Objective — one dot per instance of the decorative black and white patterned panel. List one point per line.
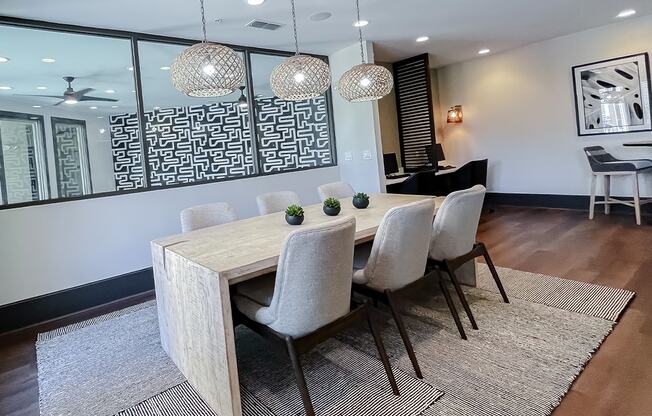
(126, 148)
(293, 134)
(21, 179)
(73, 172)
(188, 144)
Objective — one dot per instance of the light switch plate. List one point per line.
(348, 156)
(366, 154)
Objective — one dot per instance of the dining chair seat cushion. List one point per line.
(259, 290)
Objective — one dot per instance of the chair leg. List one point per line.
(460, 294)
(494, 273)
(637, 199)
(298, 373)
(383, 354)
(401, 329)
(592, 199)
(452, 308)
(607, 193)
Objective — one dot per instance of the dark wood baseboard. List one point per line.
(55, 305)
(576, 202)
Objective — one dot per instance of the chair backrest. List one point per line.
(208, 215)
(337, 190)
(456, 223)
(314, 277)
(400, 250)
(276, 201)
(597, 157)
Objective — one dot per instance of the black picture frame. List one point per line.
(644, 88)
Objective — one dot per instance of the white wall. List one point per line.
(357, 128)
(53, 247)
(519, 111)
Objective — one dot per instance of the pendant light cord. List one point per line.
(357, 9)
(203, 19)
(294, 26)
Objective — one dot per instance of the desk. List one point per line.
(440, 171)
(193, 273)
(638, 144)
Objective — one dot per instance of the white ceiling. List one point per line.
(457, 28)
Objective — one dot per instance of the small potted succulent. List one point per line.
(332, 207)
(361, 200)
(294, 215)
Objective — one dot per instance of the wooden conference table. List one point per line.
(193, 273)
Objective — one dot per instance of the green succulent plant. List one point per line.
(332, 203)
(361, 195)
(294, 211)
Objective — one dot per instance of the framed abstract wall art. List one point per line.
(613, 96)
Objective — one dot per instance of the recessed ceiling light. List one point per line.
(484, 51)
(4, 88)
(114, 106)
(165, 68)
(627, 13)
(41, 88)
(134, 91)
(48, 60)
(100, 116)
(4, 59)
(422, 38)
(157, 108)
(102, 131)
(318, 17)
(109, 91)
(255, 2)
(130, 68)
(36, 106)
(361, 23)
(93, 107)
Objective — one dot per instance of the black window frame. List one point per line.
(134, 38)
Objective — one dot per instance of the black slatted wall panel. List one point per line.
(416, 122)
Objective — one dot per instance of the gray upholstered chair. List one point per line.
(605, 165)
(453, 243)
(276, 201)
(208, 215)
(398, 259)
(310, 298)
(338, 190)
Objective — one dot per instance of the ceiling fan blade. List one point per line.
(80, 93)
(58, 103)
(89, 98)
(40, 95)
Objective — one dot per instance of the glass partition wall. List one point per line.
(129, 129)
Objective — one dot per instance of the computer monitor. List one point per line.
(390, 162)
(436, 154)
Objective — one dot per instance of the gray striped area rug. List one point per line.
(522, 361)
(581, 297)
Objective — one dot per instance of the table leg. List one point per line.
(196, 328)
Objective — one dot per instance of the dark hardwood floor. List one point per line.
(610, 250)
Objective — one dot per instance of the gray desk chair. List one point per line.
(208, 215)
(398, 259)
(310, 299)
(338, 190)
(276, 201)
(605, 165)
(453, 244)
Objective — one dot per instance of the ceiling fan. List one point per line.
(70, 96)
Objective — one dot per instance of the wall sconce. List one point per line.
(455, 115)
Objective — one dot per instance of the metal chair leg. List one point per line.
(494, 273)
(383, 354)
(460, 294)
(452, 308)
(298, 372)
(401, 330)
